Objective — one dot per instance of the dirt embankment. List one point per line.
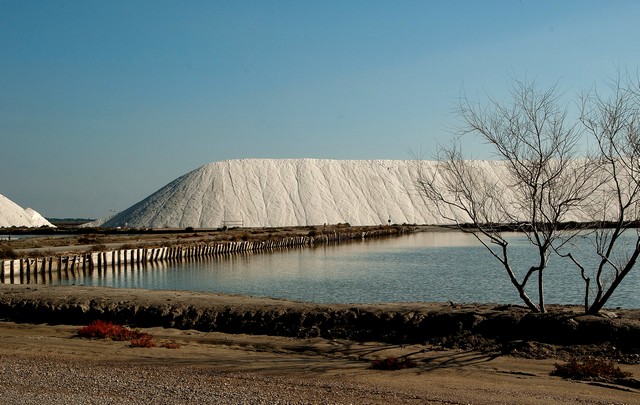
(508, 329)
(83, 239)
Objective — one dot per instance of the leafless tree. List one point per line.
(541, 183)
(614, 122)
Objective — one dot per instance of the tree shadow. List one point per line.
(457, 360)
(428, 358)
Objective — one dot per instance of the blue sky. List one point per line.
(104, 102)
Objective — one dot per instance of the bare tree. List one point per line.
(541, 183)
(614, 122)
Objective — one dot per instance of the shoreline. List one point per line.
(241, 349)
(482, 327)
(217, 367)
(61, 257)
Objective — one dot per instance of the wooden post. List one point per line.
(73, 262)
(2, 270)
(49, 271)
(11, 270)
(28, 270)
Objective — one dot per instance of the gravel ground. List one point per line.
(43, 380)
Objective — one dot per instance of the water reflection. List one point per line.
(431, 266)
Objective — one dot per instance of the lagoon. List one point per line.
(420, 267)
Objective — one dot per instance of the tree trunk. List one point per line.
(541, 290)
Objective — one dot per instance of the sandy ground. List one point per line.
(50, 364)
(268, 369)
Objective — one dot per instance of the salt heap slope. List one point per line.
(11, 214)
(290, 192)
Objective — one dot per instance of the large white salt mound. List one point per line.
(292, 192)
(11, 214)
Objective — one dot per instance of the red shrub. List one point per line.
(144, 340)
(107, 330)
(171, 345)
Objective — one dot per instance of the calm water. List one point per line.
(444, 266)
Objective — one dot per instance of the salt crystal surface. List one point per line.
(11, 214)
(293, 192)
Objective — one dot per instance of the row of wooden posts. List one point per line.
(25, 268)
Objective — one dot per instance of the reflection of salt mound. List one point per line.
(292, 192)
(11, 214)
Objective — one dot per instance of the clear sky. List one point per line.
(104, 102)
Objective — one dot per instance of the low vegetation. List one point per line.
(590, 369)
(107, 330)
(99, 247)
(152, 238)
(7, 252)
(145, 340)
(393, 363)
(132, 246)
(88, 239)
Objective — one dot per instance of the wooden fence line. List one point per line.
(25, 268)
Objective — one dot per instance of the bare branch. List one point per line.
(535, 185)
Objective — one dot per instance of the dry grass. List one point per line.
(591, 369)
(7, 252)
